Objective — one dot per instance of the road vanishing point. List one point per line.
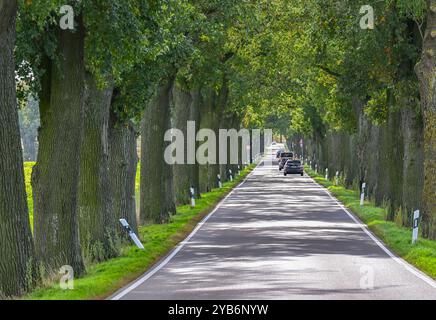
(276, 237)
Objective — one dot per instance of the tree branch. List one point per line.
(329, 71)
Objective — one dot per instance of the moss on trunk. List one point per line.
(157, 189)
(426, 71)
(16, 245)
(123, 161)
(96, 215)
(185, 108)
(55, 177)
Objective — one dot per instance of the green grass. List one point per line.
(138, 178)
(102, 279)
(27, 177)
(422, 254)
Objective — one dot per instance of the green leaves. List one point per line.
(313, 57)
(279, 56)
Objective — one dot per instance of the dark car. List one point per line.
(285, 156)
(293, 167)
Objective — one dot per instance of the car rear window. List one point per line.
(287, 155)
(295, 162)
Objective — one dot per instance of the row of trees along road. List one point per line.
(127, 67)
(362, 100)
(130, 67)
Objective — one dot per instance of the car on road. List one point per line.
(285, 156)
(279, 152)
(293, 167)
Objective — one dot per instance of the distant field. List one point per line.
(27, 175)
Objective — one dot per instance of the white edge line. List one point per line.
(179, 247)
(405, 264)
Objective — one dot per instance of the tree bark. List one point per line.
(183, 172)
(16, 244)
(157, 189)
(208, 172)
(426, 71)
(55, 177)
(96, 215)
(223, 121)
(392, 150)
(123, 161)
(412, 162)
(195, 116)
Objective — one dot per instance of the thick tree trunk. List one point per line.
(55, 177)
(209, 120)
(413, 161)
(123, 161)
(351, 169)
(391, 168)
(226, 124)
(223, 121)
(183, 172)
(16, 245)
(186, 108)
(195, 116)
(157, 189)
(96, 216)
(426, 71)
(236, 124)
(368, 140)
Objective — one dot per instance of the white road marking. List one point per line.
(180, 246)
(365, 229)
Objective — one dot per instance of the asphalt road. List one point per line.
(277, 237)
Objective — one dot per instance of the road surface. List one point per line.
(277, 237)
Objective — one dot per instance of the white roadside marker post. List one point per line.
(132, 235)
(362, 196)
(230, 175)
(220, 185)
(239, 170)
(337, 177)
(415, 226)
(192, 194)
(316, 168)
(327, 173)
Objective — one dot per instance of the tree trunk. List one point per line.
(426, 71)
(368, 140)
(223, 121)
(209, 120)
(412, 162)
(195, 116)
(96, 216)
(16, 245)
(55, 178)
(157, 190)
(183, 179)
(123, 161)
(236, 124)
(394, 160)
(351, 162)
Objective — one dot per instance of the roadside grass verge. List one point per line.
(422, 254)
(104, 278)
